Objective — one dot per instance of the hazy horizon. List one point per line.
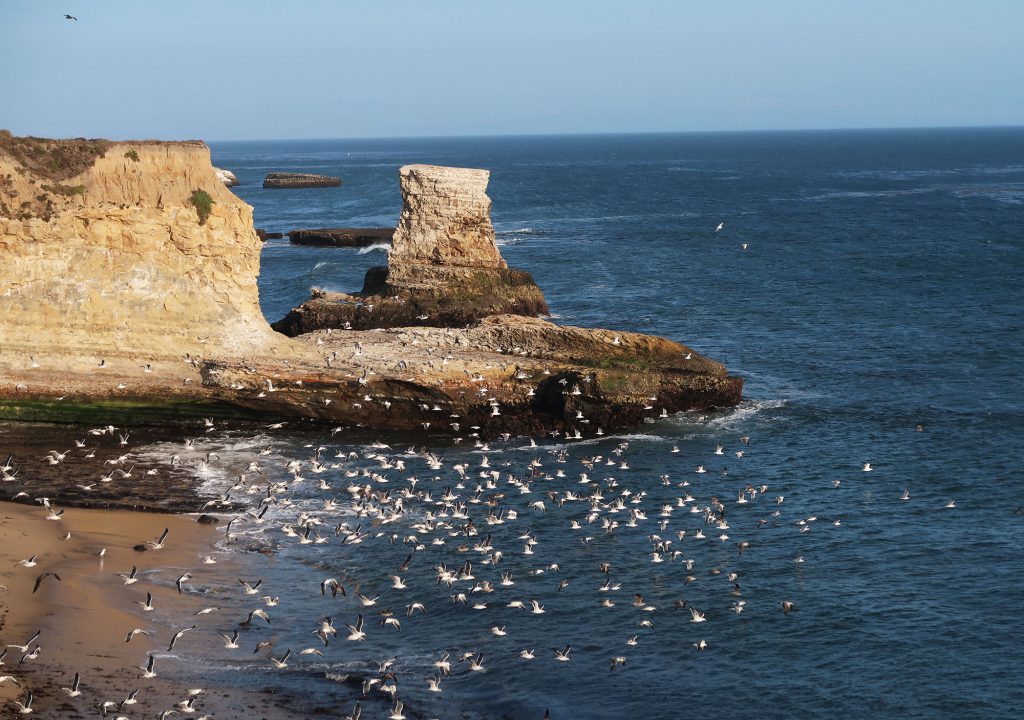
(363, 70)
(499, 136)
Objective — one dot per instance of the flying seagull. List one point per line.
(24, 648)
(71, 17)
(177, 636)
(24, 708)
(73, 691)
(39, 580)
(158, 544)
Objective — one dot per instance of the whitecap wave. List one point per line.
(633, 437)
(727, 418)
(517, 231)
(375, 246)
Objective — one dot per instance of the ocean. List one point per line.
(867, 285)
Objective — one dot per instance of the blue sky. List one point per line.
(221, 70)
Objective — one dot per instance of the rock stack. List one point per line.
(444, 268)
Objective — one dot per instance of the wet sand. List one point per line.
(84, 617)
(91, 476)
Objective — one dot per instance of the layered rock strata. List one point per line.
(118, 260)
(278, 180)
(128, 293)
(444, 268)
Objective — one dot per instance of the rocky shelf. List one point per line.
(264, 235)
(279, 180)
(342, 237)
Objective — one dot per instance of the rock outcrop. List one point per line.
(226, 176)
(342, 237)
(445, 220)
(263, 235)
(444, 268)
(278, 180)
(128, 293)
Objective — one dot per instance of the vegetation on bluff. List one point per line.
(55, 160)
(203, 204)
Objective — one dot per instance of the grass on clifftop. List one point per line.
(203, 204)
(53, 159)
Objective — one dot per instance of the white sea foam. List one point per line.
(634, 437)
(233, 455)
(728, 418)
(517, 231)
(375, 246)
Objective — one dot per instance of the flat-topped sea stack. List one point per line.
(342, 237)
(444, 268)
(290, 181)
(128, 295)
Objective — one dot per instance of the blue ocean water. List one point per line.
(880, 289)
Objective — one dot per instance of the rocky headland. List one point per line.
(128, 293)
(278, 180)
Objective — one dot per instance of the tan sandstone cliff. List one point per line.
(124, 297)
(115, 261)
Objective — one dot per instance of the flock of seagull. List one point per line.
(471, 534)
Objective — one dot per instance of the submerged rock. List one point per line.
(299, 180)
(444, 268)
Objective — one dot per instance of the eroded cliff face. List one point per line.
(114, 260)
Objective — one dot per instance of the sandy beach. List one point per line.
(84, 617)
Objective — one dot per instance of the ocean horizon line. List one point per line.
(549, 135)
(637, 133)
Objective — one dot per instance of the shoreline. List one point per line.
(84, 617)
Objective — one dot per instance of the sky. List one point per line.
(254, 69)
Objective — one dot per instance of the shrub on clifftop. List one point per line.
(203, 204)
